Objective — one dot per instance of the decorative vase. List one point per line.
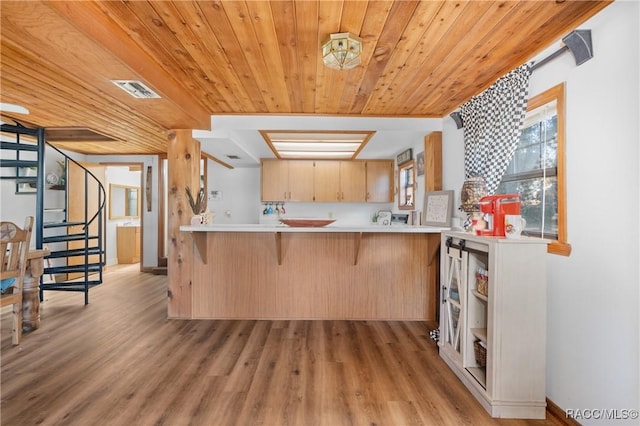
(473, 189)
(196, 219)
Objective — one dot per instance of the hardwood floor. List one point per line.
(119, 361)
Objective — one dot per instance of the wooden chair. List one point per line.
(13, 264)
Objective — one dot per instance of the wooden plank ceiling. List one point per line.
(420, 59)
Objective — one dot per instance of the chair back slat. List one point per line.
(14, 248)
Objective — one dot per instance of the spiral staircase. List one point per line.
(77, 251)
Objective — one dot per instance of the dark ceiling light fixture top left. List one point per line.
(136, 88)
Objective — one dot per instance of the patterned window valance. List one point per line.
(492, 122)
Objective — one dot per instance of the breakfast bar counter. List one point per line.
(332, 272)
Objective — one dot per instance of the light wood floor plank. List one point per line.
(119, 361)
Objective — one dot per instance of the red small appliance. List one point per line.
(495, 207)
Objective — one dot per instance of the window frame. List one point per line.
(407, 186)
(560, 245)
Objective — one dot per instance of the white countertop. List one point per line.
(394, 229)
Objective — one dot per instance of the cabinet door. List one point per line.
(353, 177)
(128, 241)
(300, 180)
(275, 180)
(454, 295)
(379, 181)
(327, 181)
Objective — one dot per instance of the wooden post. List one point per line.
(31, 289)
(433, 182)
(433, 161)
(183, 155)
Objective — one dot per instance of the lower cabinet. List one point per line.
(493, 320)
(128, 240)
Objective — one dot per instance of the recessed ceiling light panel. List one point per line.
(316, 144)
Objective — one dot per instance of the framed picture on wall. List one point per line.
(405, 156)
(420, 163)
(438, 208)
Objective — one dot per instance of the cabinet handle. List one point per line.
(338, 196)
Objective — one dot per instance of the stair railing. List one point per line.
(97, 216)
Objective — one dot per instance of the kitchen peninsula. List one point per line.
(332, 272)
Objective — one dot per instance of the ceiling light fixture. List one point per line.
(342, 51)
(19, 109)
(316, 144)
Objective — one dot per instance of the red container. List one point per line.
(495, 207)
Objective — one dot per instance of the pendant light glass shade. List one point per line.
(342, 51)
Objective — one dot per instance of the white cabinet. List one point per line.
(506, 371)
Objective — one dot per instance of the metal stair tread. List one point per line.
(21, 179)
(67, 237)
(18, 146)
(73, 252)
(70, 285)
(90, 267)
(19, 163)
(61, 224)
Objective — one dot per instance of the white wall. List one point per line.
(593, 327)
(240, 188)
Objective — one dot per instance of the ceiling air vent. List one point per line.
(233, 157)
(137, 89)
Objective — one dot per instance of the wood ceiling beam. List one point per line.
(216, 160)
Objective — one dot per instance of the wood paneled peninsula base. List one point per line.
(276, 272)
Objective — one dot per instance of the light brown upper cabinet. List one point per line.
(275, 180)
(353, 181)
(290, 180)
(340, 181)
(327, 178)
(379, 181)
(349, 181)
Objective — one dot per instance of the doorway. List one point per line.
(125, 198)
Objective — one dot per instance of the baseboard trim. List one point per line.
(558, 415)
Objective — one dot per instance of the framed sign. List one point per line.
(438, 208)
(405, 156)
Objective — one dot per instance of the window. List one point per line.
(406, 178)
(536, 171)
